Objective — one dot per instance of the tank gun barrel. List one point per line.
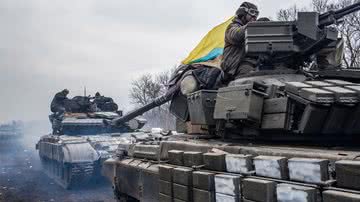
(137, 112)
(331, 17)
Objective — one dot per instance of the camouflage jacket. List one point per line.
(58, 101)
(234, 50)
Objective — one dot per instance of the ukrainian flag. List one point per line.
(211, 46)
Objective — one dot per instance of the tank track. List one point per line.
(69, 175)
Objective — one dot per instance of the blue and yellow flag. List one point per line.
(211, 46)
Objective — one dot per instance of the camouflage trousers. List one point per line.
(235, 73)
(55, 120)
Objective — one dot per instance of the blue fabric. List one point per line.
(212, 55)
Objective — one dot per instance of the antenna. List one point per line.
(84, 91)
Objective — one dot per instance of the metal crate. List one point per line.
(268, 37)
(239, 103)
(179, 108)
(201, 107)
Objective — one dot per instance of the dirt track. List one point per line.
(21, 179)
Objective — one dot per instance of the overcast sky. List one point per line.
(49, 45)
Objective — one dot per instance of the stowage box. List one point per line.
(201, 107)
(239, 103)
(267, 37)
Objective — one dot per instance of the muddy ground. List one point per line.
(21, 178)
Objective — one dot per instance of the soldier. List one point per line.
(99, 100)
(234, 62)
(58, 103)
(105, 103)
(58, 108)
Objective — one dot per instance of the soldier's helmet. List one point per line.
(97, 94)
(65, 91)
(263, 19)
(247, 8)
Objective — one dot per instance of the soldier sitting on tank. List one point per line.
(234, 62)
(58, 103)
(105, 103)
(58, 108)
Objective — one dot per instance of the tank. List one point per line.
(73, 154)
(10, 132)
(277, 134)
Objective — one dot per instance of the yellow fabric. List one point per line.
(213, 39)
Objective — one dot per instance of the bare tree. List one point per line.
(289, 14)
(320, 5)
(144, 90)
(350, 31)
(147, 88)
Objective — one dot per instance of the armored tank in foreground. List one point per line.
(280, 134)
(76, 154)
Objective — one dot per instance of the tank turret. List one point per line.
(291, 90)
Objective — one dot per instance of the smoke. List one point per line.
(32, 132)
